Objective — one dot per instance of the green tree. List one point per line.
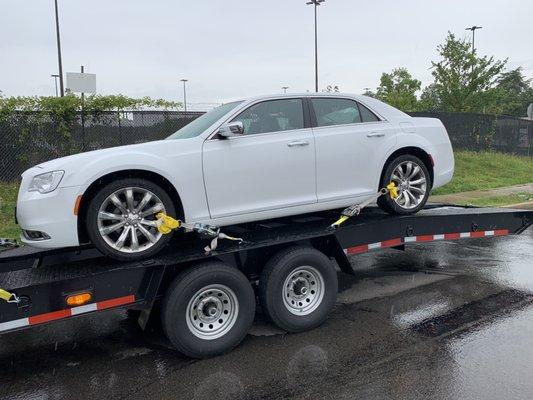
(513, 92)
(429, 99)
(462, 78)
(399, 89)
(369, 93)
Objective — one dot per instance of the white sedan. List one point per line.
(248, 160)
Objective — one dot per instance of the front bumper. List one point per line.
(52, 214)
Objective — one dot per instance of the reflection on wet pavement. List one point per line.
(440, 321)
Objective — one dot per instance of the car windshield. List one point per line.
(199, 125)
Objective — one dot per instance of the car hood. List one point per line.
(77, 161)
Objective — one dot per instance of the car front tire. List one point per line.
(121, 219)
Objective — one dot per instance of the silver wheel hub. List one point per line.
(411, 180)
(212, 312)
(303, 290)
(127, 222)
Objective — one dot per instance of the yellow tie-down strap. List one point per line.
(9, 297)
(391, 189)
(166, 224)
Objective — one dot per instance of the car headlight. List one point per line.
(46, 183)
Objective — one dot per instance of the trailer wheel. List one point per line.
(208, 309)
(298, 288)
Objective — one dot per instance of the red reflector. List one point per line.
(116, 302)
(477, 234)
(501, 232)
(358, 249)
(39, 319)
(452, 236)
(391, 242)
(424, 238)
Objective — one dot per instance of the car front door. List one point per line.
(270, 166)
(350, 144)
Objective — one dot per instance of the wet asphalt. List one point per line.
(445, 320)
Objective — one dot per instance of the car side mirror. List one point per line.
(231, 129)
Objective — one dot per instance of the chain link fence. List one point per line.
(480, 132)
(28, 139)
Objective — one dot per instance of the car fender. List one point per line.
(183, 171)
(408, 140)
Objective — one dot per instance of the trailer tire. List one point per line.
(298, 288)
(208, 309)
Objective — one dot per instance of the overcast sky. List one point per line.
(237, 48)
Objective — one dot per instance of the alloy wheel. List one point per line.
(411, 181)
(126, 219)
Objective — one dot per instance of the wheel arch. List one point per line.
(414, 151)
(110, 177)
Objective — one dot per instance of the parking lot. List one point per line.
(442, 320)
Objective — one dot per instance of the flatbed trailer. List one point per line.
(205, 307)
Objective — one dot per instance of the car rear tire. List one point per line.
(121, 219)
(208, 309)
(298, 288)
(413, 180)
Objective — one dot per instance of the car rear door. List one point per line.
(270, 166)
(351, 142)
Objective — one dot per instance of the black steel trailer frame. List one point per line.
(43, 279)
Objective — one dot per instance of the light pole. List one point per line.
(316, 3)
(61, 86)
(184, 94)
(473, 29)
(55, 76)
(284, 89)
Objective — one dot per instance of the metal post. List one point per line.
(284, 89)
(82, 117)
(55, 76)
(473, 29)
(120, 128)
(61, 86)
(316, 3)
(184, 95)
(316, 51)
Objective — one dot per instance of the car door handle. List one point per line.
(298, 143)
(375, 134)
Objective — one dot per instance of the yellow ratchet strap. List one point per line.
(8, 297)
(391, 189)
(166, 224)
(340, 221)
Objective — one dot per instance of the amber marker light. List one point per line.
(79, 299)
(77, 205)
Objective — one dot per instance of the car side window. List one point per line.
(331, 111)
(272, 116)
(367, 115)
